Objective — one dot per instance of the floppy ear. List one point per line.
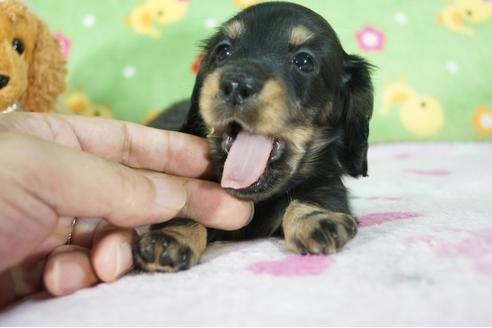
(46, 80)
(357, 102)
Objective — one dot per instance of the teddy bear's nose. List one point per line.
(4, 80)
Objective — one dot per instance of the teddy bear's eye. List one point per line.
(18, 46)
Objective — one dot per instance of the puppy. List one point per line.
(286, 111)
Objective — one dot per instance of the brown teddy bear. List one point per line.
(32, 67)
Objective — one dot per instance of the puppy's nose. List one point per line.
(4, 80)
(236, 90)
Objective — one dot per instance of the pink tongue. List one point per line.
(246, 160)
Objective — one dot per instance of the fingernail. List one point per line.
(124, 260)
(55, 275)
(252, 214)
(69, 279)
(169, 194)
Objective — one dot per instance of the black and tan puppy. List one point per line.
(286, 111)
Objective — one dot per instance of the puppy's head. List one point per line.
(276, 94)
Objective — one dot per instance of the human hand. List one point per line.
(54, 168)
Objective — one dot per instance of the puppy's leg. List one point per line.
(172, 246)
(311, 229)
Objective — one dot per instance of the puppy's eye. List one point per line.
(18, 46)
(304, 62)
(223, 51)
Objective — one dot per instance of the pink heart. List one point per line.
(293, 265)
(430, 172)
(378, 218)
(475, 246)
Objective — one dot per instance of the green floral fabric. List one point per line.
(132, 58)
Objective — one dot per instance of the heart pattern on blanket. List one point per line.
(384, 198)
(436, 173)
(293, 265)
(455, 243)
(379, 218)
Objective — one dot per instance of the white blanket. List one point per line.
(423, 256)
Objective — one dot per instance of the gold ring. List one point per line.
(72, 230)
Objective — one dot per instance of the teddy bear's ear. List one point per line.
(13, 9)
(46, 77)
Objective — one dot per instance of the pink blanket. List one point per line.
(423, 256)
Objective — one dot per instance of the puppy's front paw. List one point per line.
(171, 246)
(309, 229)
(160, 251)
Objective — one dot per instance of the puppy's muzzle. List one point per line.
(4, 81)
(240, 85)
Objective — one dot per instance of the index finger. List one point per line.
(130, 144)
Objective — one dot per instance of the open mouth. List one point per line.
(249, 156)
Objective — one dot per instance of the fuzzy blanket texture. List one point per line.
(423, 256)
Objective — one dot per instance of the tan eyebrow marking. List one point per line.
(299, 35)
(234, 29)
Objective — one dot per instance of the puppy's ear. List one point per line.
(357, 102)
